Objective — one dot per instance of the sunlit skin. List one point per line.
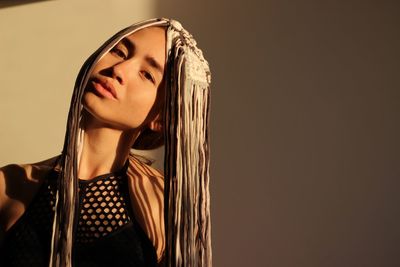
(123, 97)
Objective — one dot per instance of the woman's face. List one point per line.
(124, 85)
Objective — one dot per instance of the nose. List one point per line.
(125, 70)
(118, 73)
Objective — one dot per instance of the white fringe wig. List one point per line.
(186, 162)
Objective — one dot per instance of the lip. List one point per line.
(104, 88)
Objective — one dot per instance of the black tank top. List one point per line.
(106, 233)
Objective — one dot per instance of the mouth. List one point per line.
(104, 88)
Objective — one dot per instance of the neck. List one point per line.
(105, 149)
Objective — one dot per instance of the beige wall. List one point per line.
(305, 119)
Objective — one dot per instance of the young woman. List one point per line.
(97, 204)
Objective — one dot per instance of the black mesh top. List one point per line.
(106, 233)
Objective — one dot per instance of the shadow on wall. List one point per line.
(10, 3)
(304, 129)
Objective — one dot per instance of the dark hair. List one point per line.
(149, 139)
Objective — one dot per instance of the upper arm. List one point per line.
(13, 184)
(2, 201)
(18, 185)
(2, 189)
(147, 197)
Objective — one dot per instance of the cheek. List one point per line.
(141, 98)
(137, 105)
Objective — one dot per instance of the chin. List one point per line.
(92, 105)
(88, 99)
(93, 119)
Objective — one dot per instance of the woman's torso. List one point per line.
(106, 231)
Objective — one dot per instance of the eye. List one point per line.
(147, 75)
(119, 52)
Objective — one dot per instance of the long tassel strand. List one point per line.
(187, 154)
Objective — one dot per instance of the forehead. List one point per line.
(150, 41)
(149, 33)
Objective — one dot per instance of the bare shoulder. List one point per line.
(15, 177)
(31, 172)
(18, 184)
(147, 196)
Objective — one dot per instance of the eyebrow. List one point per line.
(154, 64)
(130, 45)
